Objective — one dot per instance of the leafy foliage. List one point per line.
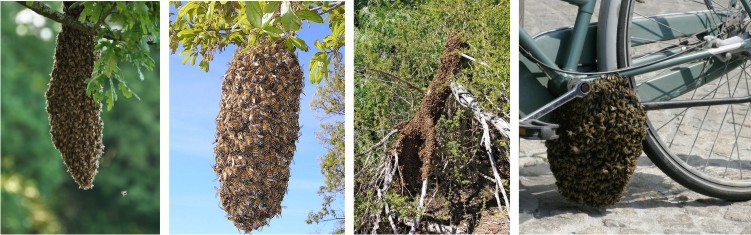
(330, 99)
(37, 194)
(405, 39)
(124, 31)
(204, 28)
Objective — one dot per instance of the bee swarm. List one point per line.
(75, 124)
(256, 133)
(417, 139)
(600, 142)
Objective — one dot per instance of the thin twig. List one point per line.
(409, 85)
(499, 183)
(104, 16)
(332, 7)
(383, 141)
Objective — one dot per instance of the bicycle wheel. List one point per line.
(706, 148)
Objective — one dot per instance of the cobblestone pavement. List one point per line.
(653, 203)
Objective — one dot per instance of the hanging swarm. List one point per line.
(600, 141)
(75, 124)
(417, 139)
(256, 133)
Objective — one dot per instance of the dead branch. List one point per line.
(437, 228)
(387, 74)
(419, 206)
(466, 99)
(489, 149)
(383, 141)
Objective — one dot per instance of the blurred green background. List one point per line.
(38, 196)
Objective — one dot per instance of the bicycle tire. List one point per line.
(659, 152)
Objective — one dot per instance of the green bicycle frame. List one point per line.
(564, 51)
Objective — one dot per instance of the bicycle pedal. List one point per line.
(537, 130)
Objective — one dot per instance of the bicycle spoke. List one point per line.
(660, 23)
(732, 116)
(696, 142)
(693, 94)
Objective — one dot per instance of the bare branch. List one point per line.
(383, 141)
(331, 7)
(409, 85)
(498, 182)
(437, 228)
(467, 100)
(104, 16)
(419, 207)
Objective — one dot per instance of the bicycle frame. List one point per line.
(559, 57)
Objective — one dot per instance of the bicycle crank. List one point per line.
(532, 129)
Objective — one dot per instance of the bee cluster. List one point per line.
(600, 141)
(75, 124)
(256, 133)
(417, 139)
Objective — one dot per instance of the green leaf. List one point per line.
(317, 69)
(290, 21)
(271, 7)
(186, 51)
(110, 100)
(310, 16)
(252, 40)
(253, 12)
(92, 87)
(272, 31)
(288, 44)
(140, 74)
(299, 43)
(210, 10)
(125, 90)
(193, 61)
(186, 59)
(186, 33)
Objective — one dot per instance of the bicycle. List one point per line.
(684, 67)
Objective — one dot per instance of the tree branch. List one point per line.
(383, 141)
(332, 219)
(104, 16)
(331, 7)
(409, 85)
(467, 100)
(46, 11)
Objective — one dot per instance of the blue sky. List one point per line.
(194, 104)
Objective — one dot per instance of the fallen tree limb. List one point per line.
(498, 182)
(467, 100)
(419, 206)
(436, 227)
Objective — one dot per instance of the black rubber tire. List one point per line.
(653, 146)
